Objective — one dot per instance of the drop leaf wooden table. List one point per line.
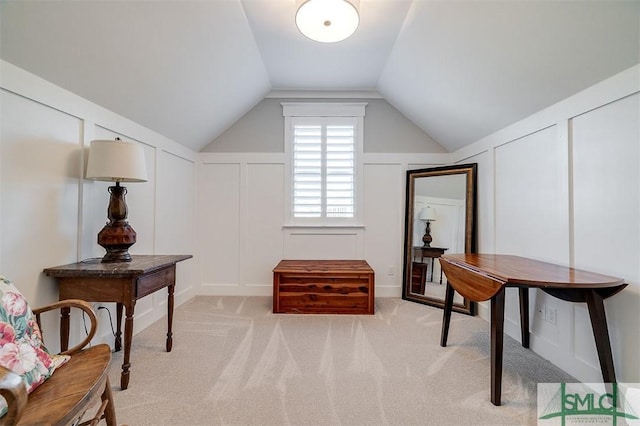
(480, 277)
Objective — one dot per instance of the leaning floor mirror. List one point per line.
(440, 220)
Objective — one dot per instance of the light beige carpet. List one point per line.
(236, 363)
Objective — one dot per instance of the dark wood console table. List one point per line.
(123, 283)
(481, 277)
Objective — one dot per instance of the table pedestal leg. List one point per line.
(170, 289)
(446, 317)
(595, 303)
(497, 339)
(128, 337)
(524, 316)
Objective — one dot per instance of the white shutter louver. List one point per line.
(307, 171)
(323, 170)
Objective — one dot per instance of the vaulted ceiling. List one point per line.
(460, 70)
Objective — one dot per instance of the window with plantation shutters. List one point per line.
(324, 170)
(324, 153)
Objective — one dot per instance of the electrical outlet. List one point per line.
(548, 314)
(551, 315)
(391, 271)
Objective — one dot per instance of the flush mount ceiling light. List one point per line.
(327, 21)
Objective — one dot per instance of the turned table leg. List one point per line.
(128, 338)
(118, 342)
(171, 290)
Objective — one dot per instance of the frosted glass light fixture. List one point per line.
(327, 21)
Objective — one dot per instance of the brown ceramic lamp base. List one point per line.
(117, 235)
(426, 239)
(116, 238)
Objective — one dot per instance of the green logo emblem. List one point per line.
(588, 403)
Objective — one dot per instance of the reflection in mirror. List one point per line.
(440, 219)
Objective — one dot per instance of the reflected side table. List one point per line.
(431, 253)
(123, 283)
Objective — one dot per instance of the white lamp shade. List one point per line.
(428, 213)
(116, 161)
(327, 21)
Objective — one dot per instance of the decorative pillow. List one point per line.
(21, 348)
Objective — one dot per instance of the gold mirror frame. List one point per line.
(416, 273)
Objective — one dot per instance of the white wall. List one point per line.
(386, 130)
(50, 216)
(563, 186)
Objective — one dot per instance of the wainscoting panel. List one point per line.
(606, 153)
(532, 213)
(262, 237)
(175, 219)
(606, 202)
(531, 190)
(40, 166)
(219, 220)
(384, 198)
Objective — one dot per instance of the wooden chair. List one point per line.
(71, 391)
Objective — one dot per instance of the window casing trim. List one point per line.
(354, 110)
(323, 109)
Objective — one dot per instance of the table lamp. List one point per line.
(428, 214)
(116, 161)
